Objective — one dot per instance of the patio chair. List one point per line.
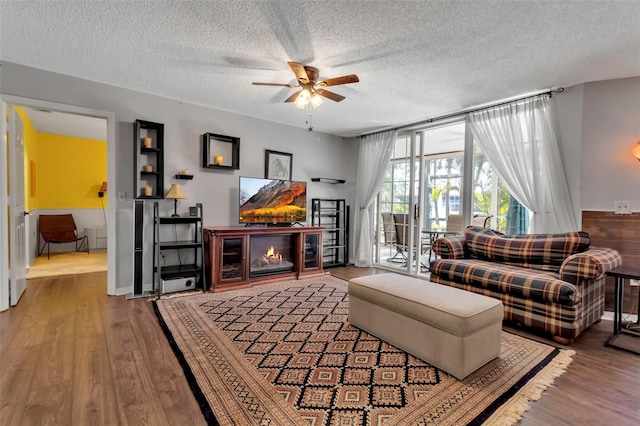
(59, 229)
(481, 220)
(400, 225)
(454, 224)
(388, 229)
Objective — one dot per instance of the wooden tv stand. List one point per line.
(232, 261)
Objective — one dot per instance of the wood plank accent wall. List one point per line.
(620, 232)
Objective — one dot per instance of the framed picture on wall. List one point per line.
(277, 165)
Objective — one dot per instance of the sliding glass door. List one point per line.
(397, 244)
(422, 189)
(437, 182)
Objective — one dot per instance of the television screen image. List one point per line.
(272, 201)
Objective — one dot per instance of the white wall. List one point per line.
(599, 125)
(610, 130)
(314, 154)
(568, 115)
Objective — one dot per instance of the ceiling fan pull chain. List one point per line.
(310, 128)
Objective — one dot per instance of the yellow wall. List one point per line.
(68, 170)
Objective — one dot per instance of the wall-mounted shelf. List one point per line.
(327, 180)
(185, 177)
(220, 152)
(148, 153)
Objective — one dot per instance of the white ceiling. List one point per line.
(415, 59)
(60, 123)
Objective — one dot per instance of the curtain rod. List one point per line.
(466, 111)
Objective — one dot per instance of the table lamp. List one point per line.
(175, 193)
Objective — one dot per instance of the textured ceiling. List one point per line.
(415, 59)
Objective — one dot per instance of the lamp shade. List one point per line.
(636, 151)
(175, 193)
(103, 188)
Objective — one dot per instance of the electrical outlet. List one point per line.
(622, 207)
(634, 283)
(122, 196)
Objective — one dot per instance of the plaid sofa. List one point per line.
(551, 282)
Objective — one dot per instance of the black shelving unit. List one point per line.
(152, 156)
(182, 276)
(333, 216)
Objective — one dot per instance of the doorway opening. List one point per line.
(103, 215)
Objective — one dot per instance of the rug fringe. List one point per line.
(512, 411)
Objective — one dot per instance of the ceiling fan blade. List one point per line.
(293, 97)
(274, 84)
(330, 95)
(345, 79)
(299, 71)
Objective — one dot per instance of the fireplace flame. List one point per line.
(272, 256)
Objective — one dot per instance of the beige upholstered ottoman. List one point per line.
(454, 330)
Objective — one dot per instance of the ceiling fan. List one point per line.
(312, 89)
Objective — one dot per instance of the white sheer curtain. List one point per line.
(374, 155)
(520, 143)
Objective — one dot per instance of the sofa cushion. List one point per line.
(540, 251)
(516, 281)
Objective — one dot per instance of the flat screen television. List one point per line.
(272, 201)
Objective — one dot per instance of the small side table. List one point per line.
(620, 274)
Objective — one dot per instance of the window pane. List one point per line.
(492, 198)
(444, 181)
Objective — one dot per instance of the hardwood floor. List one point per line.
(70, 355)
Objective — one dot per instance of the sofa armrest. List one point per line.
(452, 247)
(589, 264)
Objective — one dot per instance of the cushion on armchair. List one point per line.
(540, 251)
(519, 283)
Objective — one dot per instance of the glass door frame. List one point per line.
(417, 198)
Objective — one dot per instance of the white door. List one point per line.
(4, 194)
(17, 233)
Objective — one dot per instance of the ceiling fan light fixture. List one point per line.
(312, 90)
(316, 100)
(303, 98)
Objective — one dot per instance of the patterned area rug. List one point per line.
(284, 354)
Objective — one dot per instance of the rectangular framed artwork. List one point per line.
(278, 165)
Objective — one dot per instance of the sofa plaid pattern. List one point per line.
(540, 286)
(539, 290)
(589, 265)
(549, 250)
